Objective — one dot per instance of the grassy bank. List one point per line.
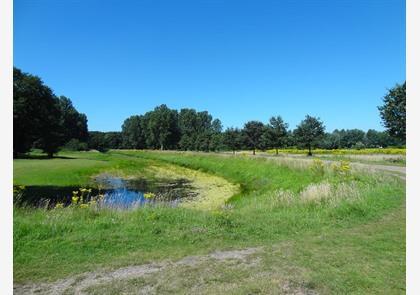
(276, 205)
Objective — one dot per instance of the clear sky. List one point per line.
(239, 60)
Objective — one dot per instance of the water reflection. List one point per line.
(117, 193)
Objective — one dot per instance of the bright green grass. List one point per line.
(75, 168)
(365, 259)
(53, 244)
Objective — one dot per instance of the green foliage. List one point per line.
(275, 134)
(75, 145)
(97, 141)
(393, 112)
(103, 141)
(74, 124)
(309, 131)
(133, 133)
(253, 132)
(232, 139)
(41, 119)
(358, 145)
(36, 116)
(162, 128)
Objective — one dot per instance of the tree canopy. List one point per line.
(309, 131)
(253, 131)
(41, 119)
(393, 112)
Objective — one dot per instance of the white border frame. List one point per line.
(6, 107)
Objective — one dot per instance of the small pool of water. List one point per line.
(117, 193)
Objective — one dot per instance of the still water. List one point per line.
(117, 193)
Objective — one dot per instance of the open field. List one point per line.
(364, 151)
(386, 156)
(283, 227)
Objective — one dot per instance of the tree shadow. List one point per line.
(41, 157)
(46, 196)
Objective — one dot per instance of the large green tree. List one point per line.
(133, 133)
(253, 131)
(393, 111)
(275, 133)
(74, 123)
(232, 139)
(36, 115)
(162, 128)
(189, 129)
(309, 131)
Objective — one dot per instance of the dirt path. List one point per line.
(399, 171)
(79, 283)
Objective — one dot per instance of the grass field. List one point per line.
(317, 229)
(364, 151)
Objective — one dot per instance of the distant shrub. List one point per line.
(75, 145)
(359, 145)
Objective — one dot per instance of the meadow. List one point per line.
(317, 228)
(363, 151)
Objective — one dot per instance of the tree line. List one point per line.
(190, 130)
(43, 120)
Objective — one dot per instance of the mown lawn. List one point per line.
(339, 242)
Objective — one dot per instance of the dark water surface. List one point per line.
(117, 192)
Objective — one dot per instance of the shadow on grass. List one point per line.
(41, 157)
(47, 196)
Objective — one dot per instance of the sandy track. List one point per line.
(79, 283)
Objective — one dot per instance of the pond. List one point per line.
(115, 192)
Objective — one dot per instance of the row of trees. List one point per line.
(41, 119)
(197, 131)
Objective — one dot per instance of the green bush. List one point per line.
(75, 145)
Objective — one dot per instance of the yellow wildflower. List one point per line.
(59, 206)
(149, 195)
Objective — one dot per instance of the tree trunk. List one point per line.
(161, 147)
(277, 151)
(50, 155)
(253, 151)
(310, 151)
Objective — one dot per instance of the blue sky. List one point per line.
(240, 60)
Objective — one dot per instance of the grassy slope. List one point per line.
(365, 259)
(50, 245)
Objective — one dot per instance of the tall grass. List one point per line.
(364, 151)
